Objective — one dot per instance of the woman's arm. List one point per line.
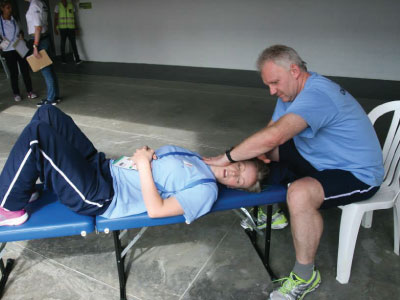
(156, 206)
(36, 41)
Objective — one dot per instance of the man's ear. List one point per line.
(295, 70)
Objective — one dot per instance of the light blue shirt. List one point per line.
(172, 173)
(9, 30)
(339, 134)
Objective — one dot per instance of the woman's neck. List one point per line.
(6, 17)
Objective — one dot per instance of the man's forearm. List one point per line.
(259, 143)
(270, 137)
(38, 30)
(263, 141)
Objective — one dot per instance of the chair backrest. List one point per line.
(391, 147)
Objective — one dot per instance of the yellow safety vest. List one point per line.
(66, 17)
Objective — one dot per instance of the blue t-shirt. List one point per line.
(172, 174)
(339, 134)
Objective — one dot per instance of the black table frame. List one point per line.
(252, 234)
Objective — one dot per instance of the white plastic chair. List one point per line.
(386, 197)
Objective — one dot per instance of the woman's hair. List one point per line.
(281, 55)
(262, 173)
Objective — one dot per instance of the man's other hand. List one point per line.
(264, 158)
(220, 160)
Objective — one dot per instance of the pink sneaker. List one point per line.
(32, 95)
(8, 217)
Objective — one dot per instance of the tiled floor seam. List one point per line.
(76, 271)
(206, 262)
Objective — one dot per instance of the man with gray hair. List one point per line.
(329, 145)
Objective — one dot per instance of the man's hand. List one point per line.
(264, 158)
(36, 53)
(220, 160)
(56, 31)
(143, 156)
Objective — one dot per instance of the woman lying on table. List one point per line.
(169, 181)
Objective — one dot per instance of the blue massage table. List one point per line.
(49, 218)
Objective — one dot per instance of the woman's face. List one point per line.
(6, 10)
(241, 174)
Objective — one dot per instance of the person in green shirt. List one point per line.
(65, 24)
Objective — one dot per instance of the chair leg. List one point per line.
(396, 223)
(349, 227)
(367, 219)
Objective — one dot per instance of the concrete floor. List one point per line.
(209, 259)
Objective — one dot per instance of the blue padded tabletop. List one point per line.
(227, 199)
(47, 218)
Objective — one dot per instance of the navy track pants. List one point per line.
(53, 148)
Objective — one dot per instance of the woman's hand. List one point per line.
(143, 156)
(36, 53)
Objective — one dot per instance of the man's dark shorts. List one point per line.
(340, 187)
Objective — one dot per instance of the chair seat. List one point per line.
(383, 199)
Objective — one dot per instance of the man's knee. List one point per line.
(304, 194)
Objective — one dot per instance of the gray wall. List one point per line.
(359, 38)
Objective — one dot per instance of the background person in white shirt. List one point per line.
(36, 19)
(10, 33)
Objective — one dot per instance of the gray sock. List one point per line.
(303, 271)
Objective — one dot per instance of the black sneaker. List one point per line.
(78, 62)
(44, 102)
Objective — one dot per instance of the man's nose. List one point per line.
(272, 91)
(234, 173)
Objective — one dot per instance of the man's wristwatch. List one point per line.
(35, 46)
(228, 155)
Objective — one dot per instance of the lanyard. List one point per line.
(178, 153)
(190, 185)
(4, 33)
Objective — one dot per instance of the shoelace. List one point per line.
(288, 285)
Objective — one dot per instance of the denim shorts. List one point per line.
(340, 187)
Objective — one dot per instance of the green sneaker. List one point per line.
(245, 223)
(296, 288)
(279, 220)
(261, 216)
